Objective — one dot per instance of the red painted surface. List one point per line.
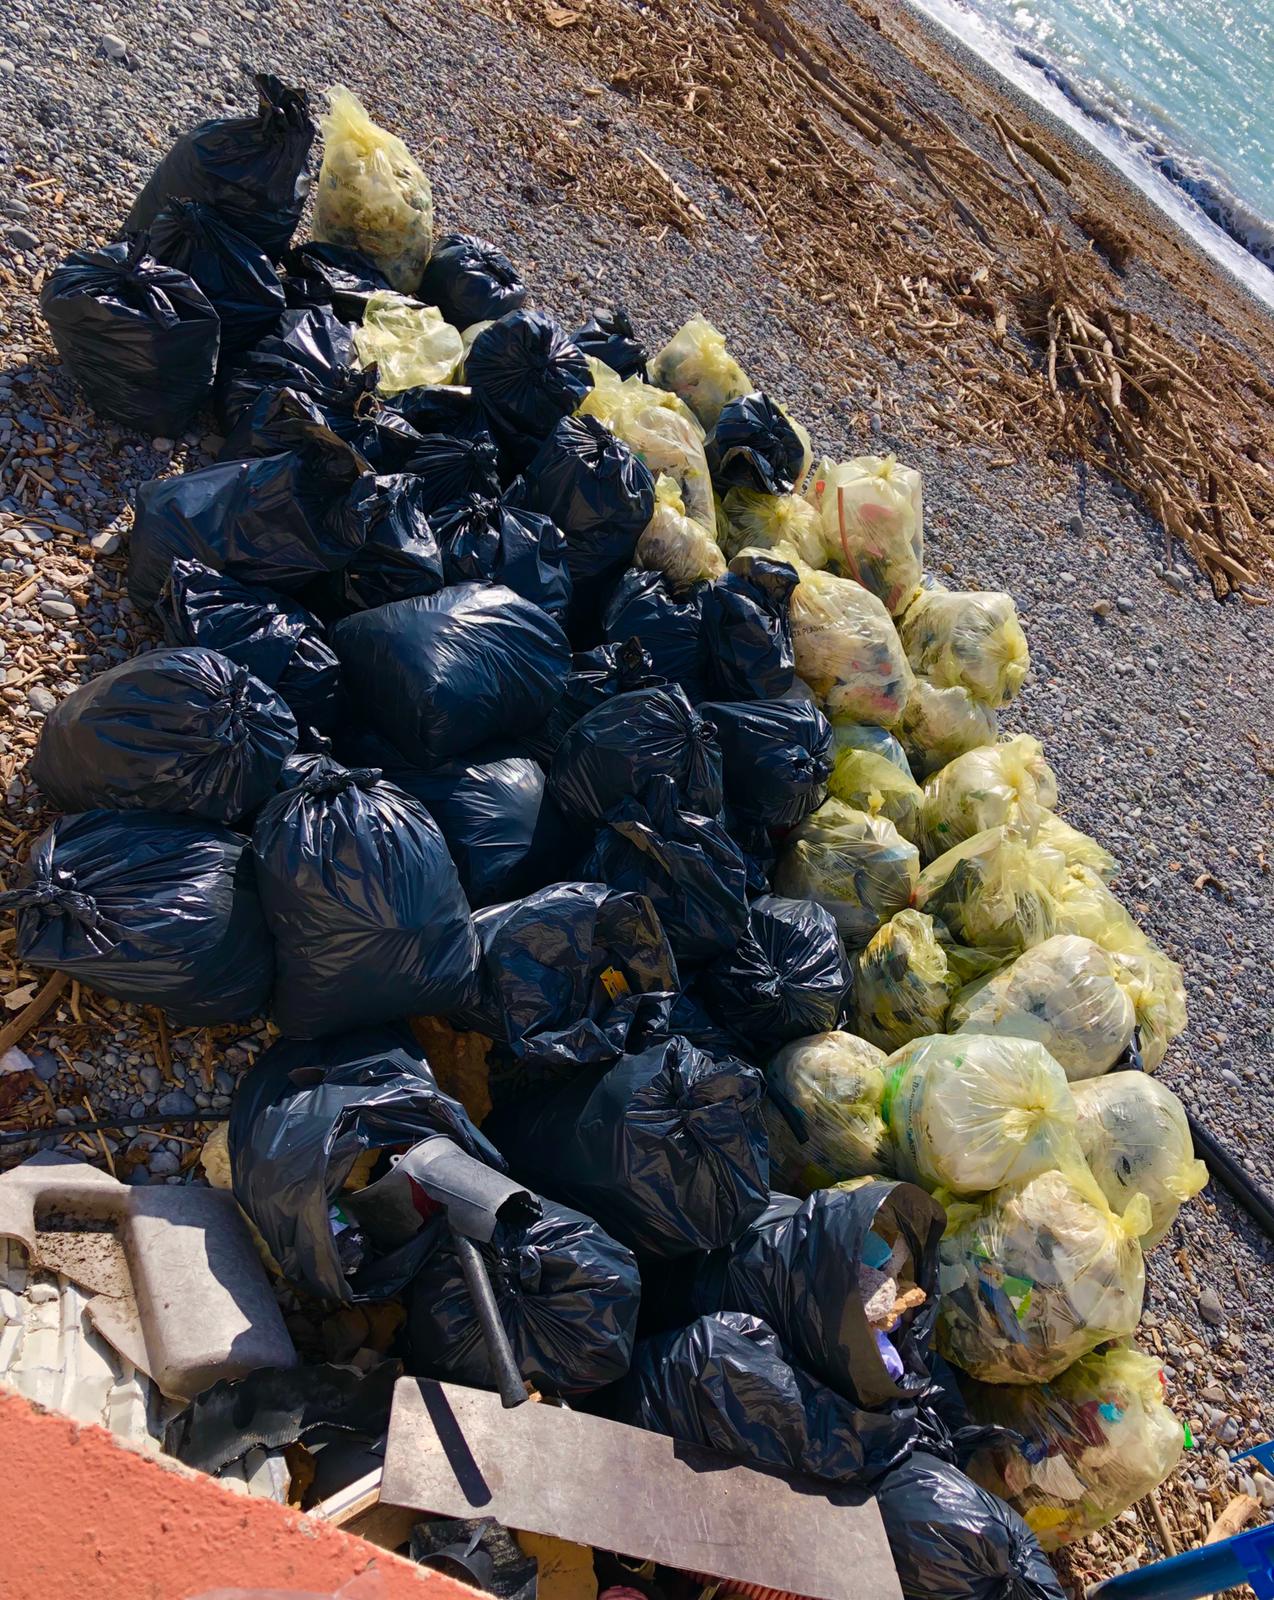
(86, 1519)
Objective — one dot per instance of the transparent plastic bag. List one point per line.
(661, 430)
(1078, 849)
(674, 544)
(994, 892)
(696, 365)
(1091, 1443)
(1136, 1139)
(872, 514)
(1063, 993)
(830, 1086)
(372, 194)
(757, 521)
(903, 982)
(968, 1113)
(938, 724)
(873, 783)
(1036, 1276)
(848, 735)
(408, 343)
(970, 639)
(1008, 782)
(858, 867)
(847, 648)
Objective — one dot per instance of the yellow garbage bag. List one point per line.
(823, 1119)
(674, 544)
(696, 365)
(1037, 1275)
(872, 783)
(1078, 848)
(1063, 993)
(968, 1113)
(754, 520)
(857, 866)
(1092, 1443)
(903, 982)
(994, 892)
(872, 515)
(1009, 782)
(1136, 1139)
(937, 725)
(408, 343)
(847, 648)
(969, 639)
(372, 194)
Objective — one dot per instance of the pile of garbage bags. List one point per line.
(539, 684)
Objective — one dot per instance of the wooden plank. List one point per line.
(457, 1452)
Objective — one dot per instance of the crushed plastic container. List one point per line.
(823, 1115)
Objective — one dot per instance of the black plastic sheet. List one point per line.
(667, 1149)
(526, 374)
(396, 555)
(444, 408)
(279, 418)
(470, 281)
(449, 672)
(249, 168)
(301, 1118)
(609, 336)
(487, 541)
(797, 1268)
(775, 759)
(147, 907)
(184, 730)
(312, 353)
(567, 1293)
(752, 445)
(686, 865)
(274, 520)
(595, 676)
(668, 624)
(452, 468)
(747, 634)
(139, 338)
(570, 974)
(368, 916)
(331, 275)
(786, 978)
(727, 1383)
(231, 269)
(614, 750)
(277, 640)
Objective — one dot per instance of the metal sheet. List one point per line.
(456, 1452)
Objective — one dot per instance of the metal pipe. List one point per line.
(508, 1380)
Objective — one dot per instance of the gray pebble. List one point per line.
(152, 1079)
(60, 610)
(163, 1164)
(39, 699)
(175, 1103)
(1124, 604)
(1211, 1309)
(112, 48)
(21, 239)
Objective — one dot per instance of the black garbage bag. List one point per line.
(727, 1383)
(279, 418)
(797, 1267)
(686, 865)
(443, 408)
(363, 901)
(470, 281)
(614, 750)
(312, 353)
(331, 275)
(397, 557)
(139, 338)
(609, 336)
(667, 622)
(231, 269)
(277, 640)
(451, 469)
(448, 672)
(595, 676)
(747, 634)
(185, 730)
(147, 907)
(754, 446)
(273, 520)
(598, 492)
(490, 541)
(952, 1540)
(569, 975)
(505, 835)
(301, 1118)
(248, 168)
(567, 1294)
(526, 374)
(786, 978)
(775, 759)
(667, 1149)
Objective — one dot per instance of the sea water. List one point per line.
(1179, 94)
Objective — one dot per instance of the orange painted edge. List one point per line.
(87, 1516)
